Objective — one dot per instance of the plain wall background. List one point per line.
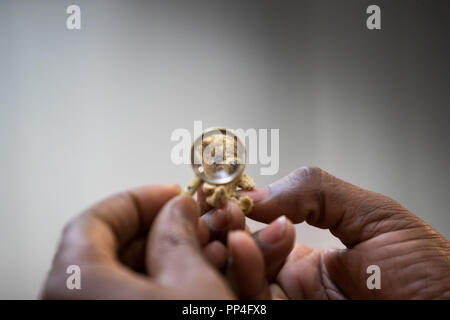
(87, 113)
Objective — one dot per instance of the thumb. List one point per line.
(351, 213)
(246, 269)
(174, 256)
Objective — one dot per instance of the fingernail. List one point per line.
(274, 232)
(231, 235)
(257, 194)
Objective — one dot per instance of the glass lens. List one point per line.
(218, 156)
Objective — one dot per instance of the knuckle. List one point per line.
(307, 174)
(71, 229)
(306, 178)
(304, 194)
(68, 232)
(75, 245)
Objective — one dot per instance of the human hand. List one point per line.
(414, 259)
(148, 228)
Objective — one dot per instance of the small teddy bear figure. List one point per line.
(220, 194)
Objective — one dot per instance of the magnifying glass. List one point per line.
(218, 157)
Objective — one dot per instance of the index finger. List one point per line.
(351, 213)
